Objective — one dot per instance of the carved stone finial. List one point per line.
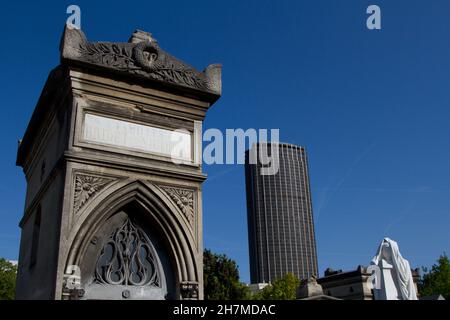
(141, 36)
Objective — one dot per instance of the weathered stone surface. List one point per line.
(142, 57)
(309, 288)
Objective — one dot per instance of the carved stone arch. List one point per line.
(150, 207)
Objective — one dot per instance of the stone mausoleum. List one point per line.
(111, 156)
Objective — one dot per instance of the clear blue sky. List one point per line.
(371, 107)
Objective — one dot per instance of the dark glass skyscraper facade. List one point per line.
(280, 219)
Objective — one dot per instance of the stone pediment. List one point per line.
(140, 57)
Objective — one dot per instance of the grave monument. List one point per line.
(111, 156)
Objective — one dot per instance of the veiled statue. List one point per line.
(395, 276)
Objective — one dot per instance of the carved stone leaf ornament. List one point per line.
(144, 58)
(87, 186)
(184, 198)
(108, 54)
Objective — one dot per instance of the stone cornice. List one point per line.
(165, 169)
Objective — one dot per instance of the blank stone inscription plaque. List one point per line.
(129, 135)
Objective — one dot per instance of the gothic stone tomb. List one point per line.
(108, 213)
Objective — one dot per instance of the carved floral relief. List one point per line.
(86, 186)
(184, 198)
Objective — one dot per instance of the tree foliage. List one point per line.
(281, 289)
(437, 280)
(8, 273)
(221, 278)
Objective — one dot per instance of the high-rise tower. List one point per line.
(280, 220)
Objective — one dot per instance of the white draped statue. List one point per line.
(396, 281)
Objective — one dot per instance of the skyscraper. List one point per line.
(280, 220)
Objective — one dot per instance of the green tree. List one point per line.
(8, 273)
(281, 289)
(221, 277)
(437, 281)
